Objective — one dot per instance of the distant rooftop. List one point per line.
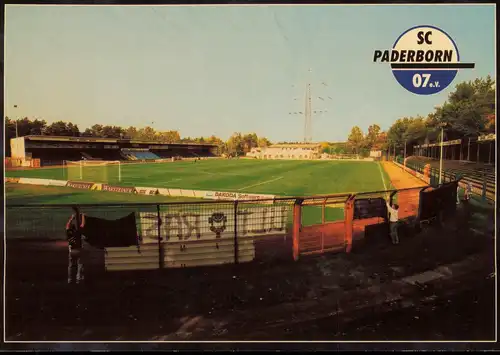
(296, 145)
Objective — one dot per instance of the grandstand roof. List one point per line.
(106, 140)
(480, 139)
(445, 143)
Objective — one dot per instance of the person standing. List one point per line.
(468, 192)
(458, 196)
(75, 245)
(393, 221)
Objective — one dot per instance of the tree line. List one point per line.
(237, 144)
(468, 112)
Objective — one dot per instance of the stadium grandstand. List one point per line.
(473, 159)
(49, 150)
(287, 151)
(479, 150)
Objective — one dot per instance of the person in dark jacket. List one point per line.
(75, 245)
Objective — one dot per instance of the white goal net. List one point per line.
(93, 170)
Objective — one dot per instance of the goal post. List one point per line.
(93, 170)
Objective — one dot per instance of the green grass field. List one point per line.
(283, 178)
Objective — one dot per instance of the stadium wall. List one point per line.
(17, 148)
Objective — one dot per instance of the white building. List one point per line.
(375, 153)
(302, 151)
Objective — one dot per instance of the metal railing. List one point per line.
(177, 234)
(482, 182)
(186, 234)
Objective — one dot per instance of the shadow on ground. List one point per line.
(154, 304)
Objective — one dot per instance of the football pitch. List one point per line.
(281, 178)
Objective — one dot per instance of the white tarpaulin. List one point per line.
(214, 223)
(206, 237)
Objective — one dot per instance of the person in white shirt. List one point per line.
(458, 196)
(393, 221)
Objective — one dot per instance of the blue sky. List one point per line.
(216, 70)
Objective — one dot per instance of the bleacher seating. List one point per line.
(50, 156)
(55, 150)
(126, 156)
(144, 155)
(138, 154)
(193, 153)
(105, 154)
(476, 173)
(458, 166)
(87, 156)
(164, 154)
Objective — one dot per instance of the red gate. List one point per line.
(320, 238)
(325, 237)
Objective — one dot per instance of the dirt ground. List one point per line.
(400, 179)
(358, 296)
(408, 201)
(167, 305)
